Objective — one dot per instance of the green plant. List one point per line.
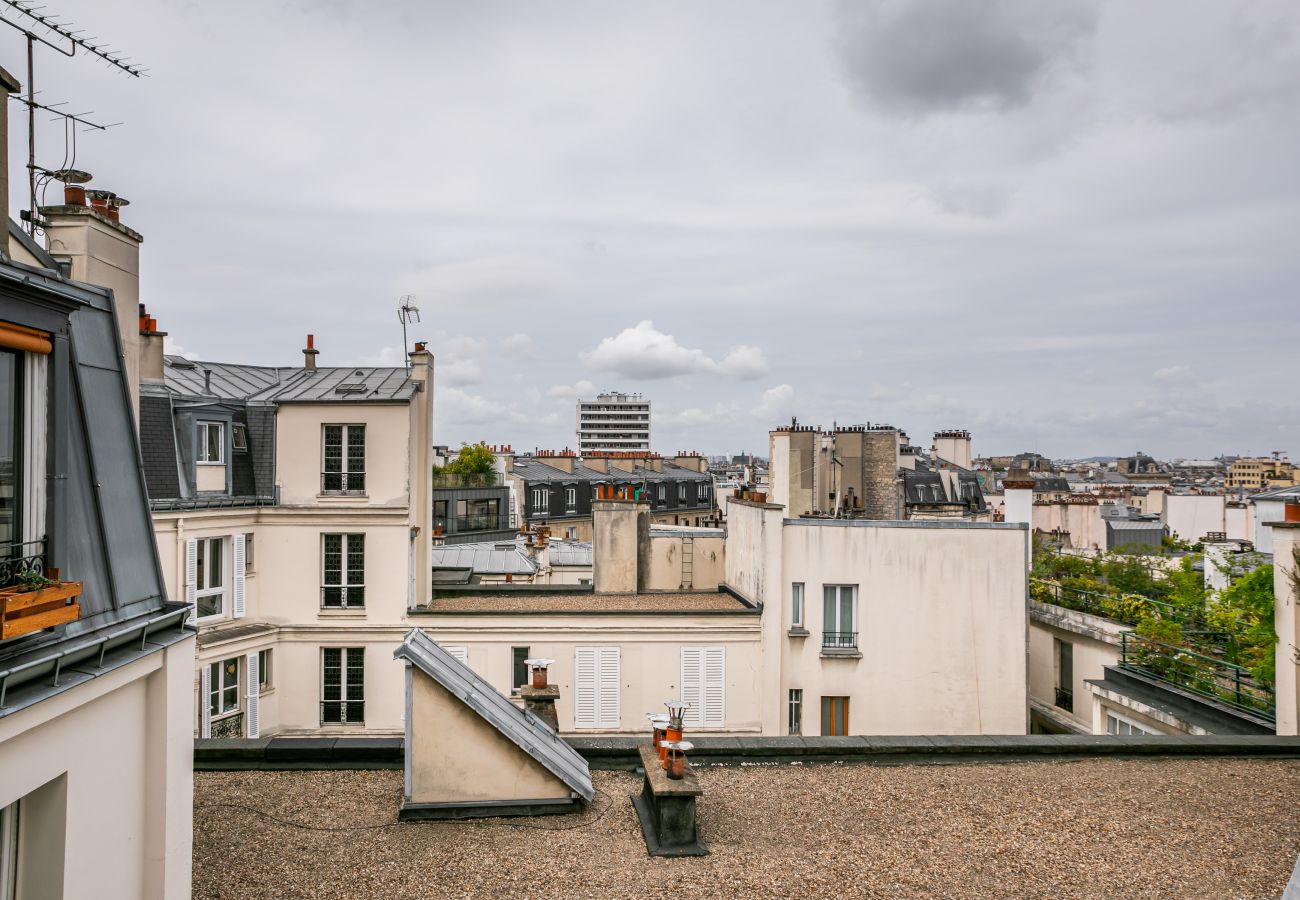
(473, 459)
(30, 580)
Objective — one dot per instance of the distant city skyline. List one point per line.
(1028, 225)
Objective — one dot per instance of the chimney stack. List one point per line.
(540, 696)
(309, 353)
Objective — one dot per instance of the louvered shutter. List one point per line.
(192, 577)
(460, 653)
(692, 685)
(238, 564)
(584, 694)
(205, 700)
(253, 675)
(609, 688)
(714, 705)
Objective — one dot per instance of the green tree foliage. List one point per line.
(473, 459)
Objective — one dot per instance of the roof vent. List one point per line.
(350, 387)
(181, 362)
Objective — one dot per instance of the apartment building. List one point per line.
(292, 507)
(1256, 473)
(873, 472)
(613, 423)
(95, 661)
(557, 488)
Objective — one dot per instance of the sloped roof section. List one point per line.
(198, 380)
(521, 727)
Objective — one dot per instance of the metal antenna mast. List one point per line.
(60, 37)
(407, 312)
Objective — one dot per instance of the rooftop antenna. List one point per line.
(407, 313)
(58, 36)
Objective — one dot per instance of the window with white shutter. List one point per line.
(192, 579)
(596, 691)
(253, 696)
(703, 686)
(237, 573)
(205, 708)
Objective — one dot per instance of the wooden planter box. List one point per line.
(25, 611)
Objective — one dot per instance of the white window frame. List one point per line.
(344, 472)
(570, 498)
(202, 546)
(1122, 721)
(239, 437)
(201, 455)
(344, 548)
(218, 686)
(797, 594)
(541, 500)
(264, 663)
(703, 684)
(663, 492)
(681, 492)
(839, 606)
(794, 702)
(603, 696)
(343, 688)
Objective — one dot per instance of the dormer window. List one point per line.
(239, 437)
(212, 443)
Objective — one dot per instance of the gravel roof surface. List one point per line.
(1095, 828)
(581, 602)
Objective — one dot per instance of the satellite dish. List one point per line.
(70, 176)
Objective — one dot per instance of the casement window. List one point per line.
(596, 695)
(702, 492)
(662, 493)
(343, 571)
(238, 437)
(343, 468)
(681, 492)
(249, 568)
(840, 616)
(209, 577)
(518, 668)
(704, 686)
(570, 498)
(223, 687)
(541, 500)
(263, 671)
(1117, 724)
(796, 605)
(212, 443)
(343, 686)
(1064, 675)
(795, 723)
(835, 716)
(571, 534)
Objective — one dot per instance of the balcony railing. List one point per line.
(1215, 679)
(1065, 699)
(342, 712)
(455, 480)
(343, 596)
(479, 522)
(839, 640)
(20, 557)
(342, 482)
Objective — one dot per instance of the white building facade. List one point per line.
(613, 423)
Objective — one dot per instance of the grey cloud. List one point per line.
(916, 57)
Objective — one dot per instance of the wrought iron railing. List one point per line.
(456, 480)
(343, 596)
(342, 712)
(840, 640)
(342, 482)
(20, 557)
(1065, 699)
(1095, 602)
(1216, 679)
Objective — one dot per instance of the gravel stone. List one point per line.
(1092, 828)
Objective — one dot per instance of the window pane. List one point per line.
(846, 609)
(356, 559)
(214, 562)
(357, 455)
(214, 442)
(519, 654)
(333, 448)
(209, 605)
(200, 563)
(830, 607)
(333, 564)
(10, 426)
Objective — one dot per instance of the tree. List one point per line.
(473, 459)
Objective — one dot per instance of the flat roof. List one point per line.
(1088, 828)
(511, 602)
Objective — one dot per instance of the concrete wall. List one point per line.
(668, 571)
(456, 756)
(298, 451)
(1083, 523)
(1286, 538)
(619, 528)
(1190, 517)
(104, 772)
(1095, 643)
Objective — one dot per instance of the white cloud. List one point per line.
(776, 404)
(644, 351)
(520, 346)
(494, 279)
(387, 356)
(453, 406)
(1172, 373)
(572, 391)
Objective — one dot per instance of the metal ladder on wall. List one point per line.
(688, 563)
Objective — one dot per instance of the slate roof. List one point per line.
(285, 384)
(1278, 493)
(507, 557)
(521, 727)
(531, 468)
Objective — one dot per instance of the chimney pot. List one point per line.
(310, 353)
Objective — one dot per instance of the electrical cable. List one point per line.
(334, 828)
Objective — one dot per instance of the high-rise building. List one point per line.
(613, 423)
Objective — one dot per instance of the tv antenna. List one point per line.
(407, 313)
(61, 37)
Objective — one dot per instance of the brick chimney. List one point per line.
(540, 695)
(309, 353)
(151, 348)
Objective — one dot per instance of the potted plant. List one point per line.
(36, 602)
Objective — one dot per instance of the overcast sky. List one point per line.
(1069, 227)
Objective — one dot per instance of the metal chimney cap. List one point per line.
(679, 746)
(70, 176)
(656, 717)
(538, 663)
(676, 705)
